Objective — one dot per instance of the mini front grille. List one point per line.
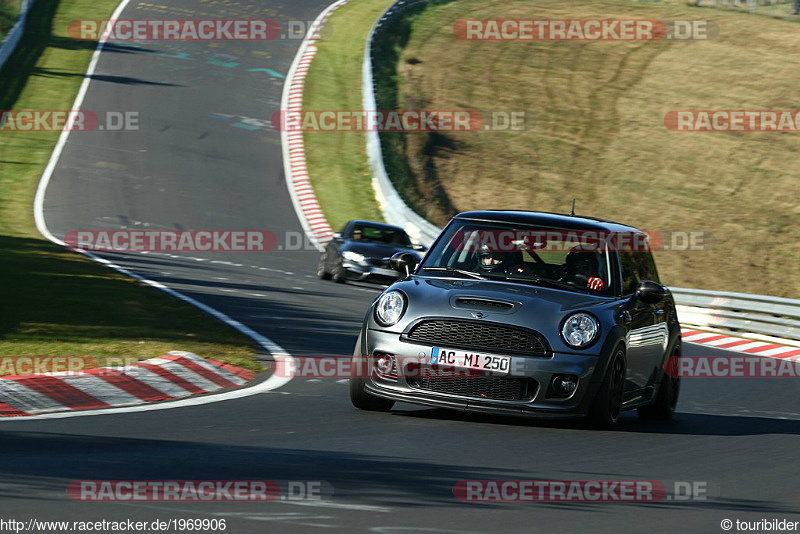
(477, 335)
(480, 387)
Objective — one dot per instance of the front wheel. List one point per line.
(338, 272)
(605, 410)
(322, 272)
(663, 407)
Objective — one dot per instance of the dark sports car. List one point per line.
(524, 313)
(362, 250)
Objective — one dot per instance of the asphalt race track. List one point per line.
(192, 165)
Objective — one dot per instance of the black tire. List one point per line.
(338, 273)
(604, 411)
(663, 407)
(322, 272)
(362, 399)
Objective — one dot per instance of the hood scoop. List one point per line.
(481, 303)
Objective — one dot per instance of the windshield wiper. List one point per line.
(456, 271)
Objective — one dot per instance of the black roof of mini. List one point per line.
(548, 220)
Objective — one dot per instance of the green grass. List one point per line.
(337, 161)
(9, 10)
(600, 137)
(426, 196)
(54, 302)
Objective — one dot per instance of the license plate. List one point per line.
(470, 360)
(384, 272)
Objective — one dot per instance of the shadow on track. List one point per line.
(126, 80)
(48, 462)
(41, 465)
(687, 424)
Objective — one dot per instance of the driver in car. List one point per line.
(500, 261)
(581, 269)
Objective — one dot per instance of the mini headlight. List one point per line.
(390, 307)
(352, 256)
(580, 330)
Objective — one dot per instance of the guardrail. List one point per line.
(737, 313)
(395, 211)
(12, 39)
(753, 6)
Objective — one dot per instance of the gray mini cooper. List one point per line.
(524, 313)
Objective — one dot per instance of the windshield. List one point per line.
(563, 259)
(380, 234)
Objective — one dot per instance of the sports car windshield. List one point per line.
(563, 259)
(380, 234)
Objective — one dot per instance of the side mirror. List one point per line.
(337, 235)
(403, 262)
(650, 292)
(420, 248)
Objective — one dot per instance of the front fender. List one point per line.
(614, 338)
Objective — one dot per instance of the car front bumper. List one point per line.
(365, 272)
(536, 373)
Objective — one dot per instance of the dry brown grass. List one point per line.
(600, 135)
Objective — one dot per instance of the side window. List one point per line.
(630, 276)
(650, 267)
(636, 266)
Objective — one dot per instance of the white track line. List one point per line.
(278, 353)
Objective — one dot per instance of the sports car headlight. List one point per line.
(390, 307)
(352, 256)
(580, 330)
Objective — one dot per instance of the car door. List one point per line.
(660, 329)
(646, 335)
